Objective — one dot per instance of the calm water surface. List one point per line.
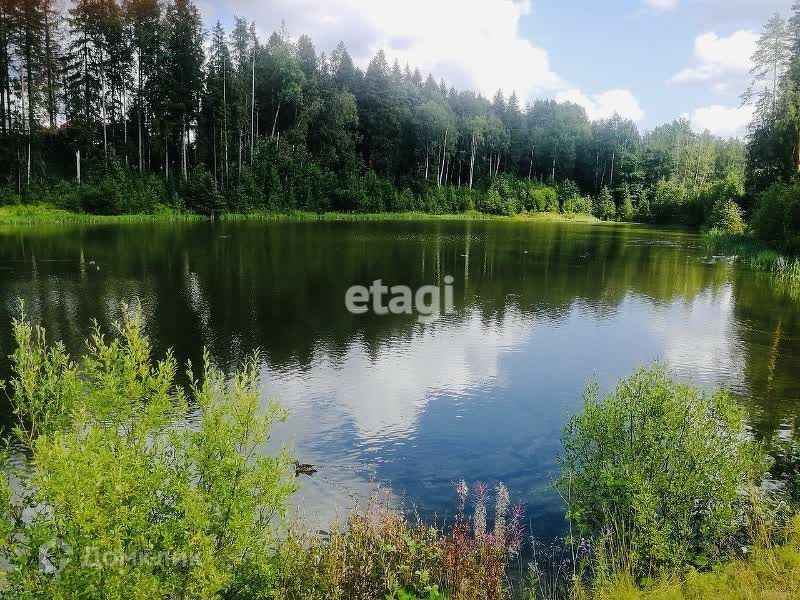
(481, 394)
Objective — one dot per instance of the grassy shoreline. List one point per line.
(773, 571)
(755, 254)
(408, 216)
(43, 214)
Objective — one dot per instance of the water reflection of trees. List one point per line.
(768, 323)
(235, 287)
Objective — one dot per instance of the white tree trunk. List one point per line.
(103, 107)
(472, 161)
(275, 122)
(613, 161)
(140, 140)
(184, 161)
(442, 160)
(225, 119)
(253, 108)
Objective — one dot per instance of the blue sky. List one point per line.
(650, 60)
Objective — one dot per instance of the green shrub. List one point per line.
(627, 210)
(717, 194)
(726, 216)
(660, 467)
(541, 198)
(788, 470)
(776, 219)
(119, 500)
(578, 204)
(605, 208)
(200, 193)
(773, 572)
(667, 202)
(566, 191)
(504, 197)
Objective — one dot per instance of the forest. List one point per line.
(144, 104)
(113, 108)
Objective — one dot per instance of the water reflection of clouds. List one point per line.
(701, 341)
(351, 412)
(383, 392)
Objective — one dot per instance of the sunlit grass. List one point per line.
(34, 214)
(755, 254)
(772, 573)
(405, 216)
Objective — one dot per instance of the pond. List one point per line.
(481, 393)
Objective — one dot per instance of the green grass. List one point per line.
(405, 216)
(34, 214)
(770, 574)
(755, 254)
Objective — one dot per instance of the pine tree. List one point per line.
(84, 69)
(307, 55)
(791, 110)
(182, 75)
(215, 105)
(6, 53)
(142, 19)
(29, 35)
(118, 61)
(771, 62)
(52, 61)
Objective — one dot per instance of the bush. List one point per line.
(660, 467)
(771, 573)
(541, 198)
(727, 217)
(494, 203)
(201, 194)
(119, 500)
(776, 219)
(578, 204)
(566, 191)
(504, 197)
(110, 190)
(793, 482)
(787, 469)
(605, 207)
(668, 202)
(716, 194)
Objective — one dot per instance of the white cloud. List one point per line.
(472, 44)
(717, 58)
(605, 104)
(725, 121)
(661, 5)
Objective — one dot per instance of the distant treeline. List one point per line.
(164, 110)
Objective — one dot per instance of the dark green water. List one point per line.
(481, 394)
